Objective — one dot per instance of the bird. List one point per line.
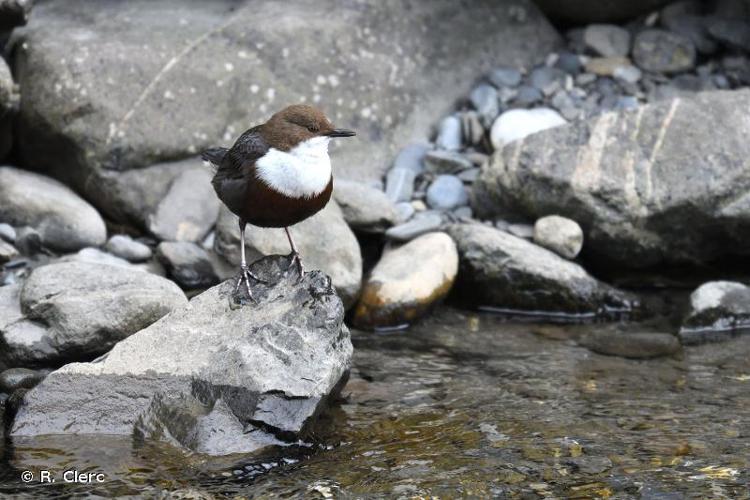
(276, 174)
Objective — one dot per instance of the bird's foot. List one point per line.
(295, 260)
(245, 276)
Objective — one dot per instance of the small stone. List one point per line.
(485, 101)
(419, 205)
(125, 247)
(607, 40)
(446, 162)
(570, 63)
(365, 208)
(407, 282)
(559, 234)
(477, 158)
(589, 465)
(629, 74)
(734, 33)
(562, 101)
(472, 129)
(547, 79)
(694, 28)
(585, 79)
(516, 124)
(399, 184)
(7, 233)
(208, 241)
(95, 256)
(404, 211)
(410, 158)
(463, 212)
(421, 223)
(661, 51)
(626, 102)
(606, 66)
(505, 77)
(469, 175)
(449, 134)
(446, 193)
(7, 252)
(187, 264)
(528, 95)
(718, 310)
(525, 231)
(635, 345)
(19, 378)
(507, 94)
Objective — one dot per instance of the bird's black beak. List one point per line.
(341, 132)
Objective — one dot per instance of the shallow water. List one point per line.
(468, 405)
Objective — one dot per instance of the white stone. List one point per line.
(519, 123)
(559, 234)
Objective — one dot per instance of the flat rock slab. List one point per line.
(214, 377)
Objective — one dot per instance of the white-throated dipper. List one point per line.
(276, 175)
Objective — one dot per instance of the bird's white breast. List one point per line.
(302, 172)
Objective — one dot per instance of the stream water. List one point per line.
(465, 405)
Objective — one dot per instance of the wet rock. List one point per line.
(446, 162)
(187, 264)
(589, 465)
(127, 248)
(421, 223)
(559, 234)
(580, 12)
(501, 270)
(661, 51)
(7, 233)
(95, 256)
(449, 134)
(7, 252)
(19, 378)
(643, 190)
(718, 310)
(407, 282)
(261, 374)
(635, 345)
(74, 310)
(399, 184)
(446, 193)
(485, 101)
(324, 241)
(516, 124)
(64, 221)
(607, 40)
(365, 208)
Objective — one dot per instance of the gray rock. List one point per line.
(607, 40)
(9, 100)
(19, 378)
(410, 158)
(635, 345)
(503, 271)
(64, 221)
(324, 241)
(95, 256)
(643, 189)
(517, 124)
(446, 193)
(585, 464)
(469, 175)
(365, 209)
(718, 310)
(504, 77)
(127, 248)
(525, 231)
(734, 33)
(187, 264)
(690, 25)
(28, 240)
(399, 184)
(74, 310)
(404, 211)
(7, 233)
(421, 223)
(528, 95)
(259, 374)
(605, 66)
(463, 213)
(446, 162)
(580, 12)
(628, 74)
(485, 101)
(626, 102)
(547, 79)
(7, 252)
(661, 51)
(570, 63)
(449, 134)
(559, 234)
(211, 69)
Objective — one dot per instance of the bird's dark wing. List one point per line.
(246, 150)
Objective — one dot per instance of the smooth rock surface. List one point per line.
(410, 157)
(517, 124)
(511, 274)
(64, 221)
(607, 40)
(407, 282)
(127, 248)
(324, 241)
(559, 234)
(75, 310)
(446, 192)
(420, 223)
(7, 232)
(446, 162)
(7, 252)
(95, 256)
(449, 134)
(399, 184)
(365, 208)
(635, 345)
(718, 310)
(187, 264)
(644, 190)
(214, 377)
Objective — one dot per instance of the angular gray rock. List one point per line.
(662, 51)
(607, 40)
(187, 264)
(214, 377)
(510, 274)
(75, 311)
(419, 224)
(559, 234)
(64, 221)
(324, 241)
(644, 191)
(446, 162)
(127, 248)
(93, 112)
(365, 208)
(718, 310)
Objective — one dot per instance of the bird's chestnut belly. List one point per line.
(265, 207)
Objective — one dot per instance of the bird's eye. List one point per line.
(312, 128)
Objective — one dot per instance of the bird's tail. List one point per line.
(214, 155)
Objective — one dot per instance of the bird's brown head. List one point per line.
(297, 123)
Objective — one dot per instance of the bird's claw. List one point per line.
(245, 276)
(294, 259)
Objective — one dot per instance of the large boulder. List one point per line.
(79, 310)
(666, 183)
(214, 377)
(64, 221)
(513, 275)
(718, 310)
(109, 87)
(324, 241)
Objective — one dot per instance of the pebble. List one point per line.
(7, 232)
(365, 208)
(127, 248)
(505, 77)
(626, 102)
(607, 40)
(446, 162)
(585, 79)
(559, 234)
(399, 184)
(420, 224)
(547, 79)
(528, 95)
(570, 63)
(470, 175)
(635, 345)
(446, 193)
(410, 157)
(516, 124)
(464, 212)
(525, 231)
(485, 100)
(187, 264)
(449, 134)
(629, 74)
(605, 66)
(404, 211)
(419, 205)
(96, 256)
(472, 129)
(7, 252)
(661, 51)
(19, 378)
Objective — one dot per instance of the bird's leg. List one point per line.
(245, 274)
(294, 256)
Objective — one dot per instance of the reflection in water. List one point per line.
(468, 405)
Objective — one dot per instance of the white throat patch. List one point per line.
(302, 172)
